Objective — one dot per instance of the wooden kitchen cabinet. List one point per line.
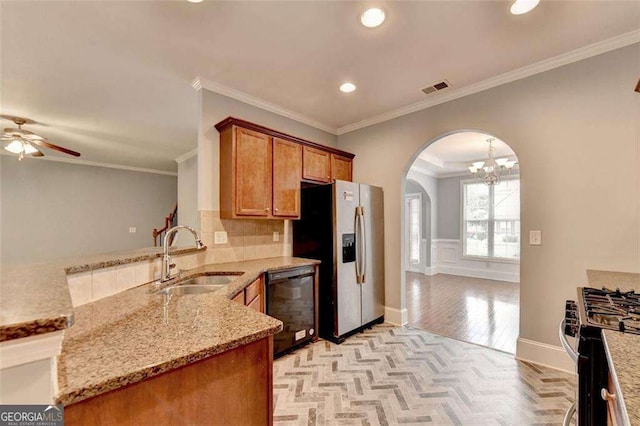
(259, 175)
(261, 170)
(340, 167)
(253, 295)
(287, 172)
(316, 164)
(231, 388)
(245, 173)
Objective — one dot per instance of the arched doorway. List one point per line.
(470, 288)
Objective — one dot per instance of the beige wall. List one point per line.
(575, 132)
(52, 210)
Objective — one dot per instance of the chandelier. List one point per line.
(492, 170)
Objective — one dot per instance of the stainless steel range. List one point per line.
(596, 309)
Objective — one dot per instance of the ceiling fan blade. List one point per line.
(46, 144)
(32, 137)
(18, 131)
(38, 153)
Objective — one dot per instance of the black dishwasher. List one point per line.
(290, 298)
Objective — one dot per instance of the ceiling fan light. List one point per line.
(15, 147)
(29, 149)
(520, 7)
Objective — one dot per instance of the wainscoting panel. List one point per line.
(446, 258)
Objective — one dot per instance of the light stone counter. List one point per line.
(136, 334)
(624, 363)
(34, 299)
(625, 281)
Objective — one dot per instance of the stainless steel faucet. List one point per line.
(166, 259)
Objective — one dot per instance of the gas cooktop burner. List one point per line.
(612, 309)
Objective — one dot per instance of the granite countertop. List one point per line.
(624, 364)
(625, 281)
(136, 334)
(35, 299)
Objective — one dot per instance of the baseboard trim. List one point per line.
(479, 273)
(396, 316)
(430, 270)
(543, 354)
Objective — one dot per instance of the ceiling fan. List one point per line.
(23, 142)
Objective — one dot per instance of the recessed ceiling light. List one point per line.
(520, 7)
(194, 1)
(347, 87)
(373, 17)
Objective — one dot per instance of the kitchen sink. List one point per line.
(185, 289)
(209, 280)
(198, 285)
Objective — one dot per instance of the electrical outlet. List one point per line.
(276, 236)
(220, 237)
(132, 230)
(535, 238)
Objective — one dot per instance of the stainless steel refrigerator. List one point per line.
(342, 226)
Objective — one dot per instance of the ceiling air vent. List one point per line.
(441, 85)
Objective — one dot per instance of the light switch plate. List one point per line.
(132, 230)
(220, 237)
(276, 236)
(535, 238)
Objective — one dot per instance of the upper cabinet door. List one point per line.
(287, 172)
(316, 164)
(340, 167)
(252, 173)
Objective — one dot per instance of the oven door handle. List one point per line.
(565, 344)
(569, 415)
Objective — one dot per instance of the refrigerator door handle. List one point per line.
(358, 253)
(364, 245)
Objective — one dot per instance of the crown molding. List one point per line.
(422, 171)
(518, 74)
(95, 164)
(187, 155)
(200, 83)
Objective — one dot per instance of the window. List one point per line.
(414, 212)
(491, 219)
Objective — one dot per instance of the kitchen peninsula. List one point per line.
(137, 355)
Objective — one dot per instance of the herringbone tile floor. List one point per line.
(400, 375)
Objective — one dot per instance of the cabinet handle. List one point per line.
(276, 209)
(266, 209)
(604, 393)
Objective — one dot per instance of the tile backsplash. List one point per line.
(247, 239)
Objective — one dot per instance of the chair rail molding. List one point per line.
(446, 258)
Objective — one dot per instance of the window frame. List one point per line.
(490, 225)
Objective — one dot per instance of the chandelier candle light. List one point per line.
(492, 170)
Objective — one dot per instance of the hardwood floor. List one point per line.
(484, 312)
